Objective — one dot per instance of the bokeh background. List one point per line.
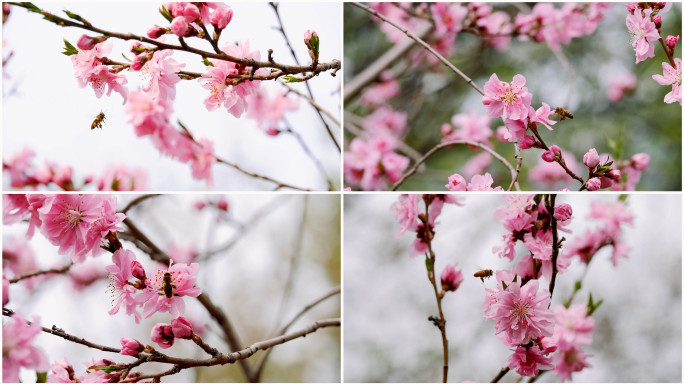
(388, 298)
(274, 255)
(44, 108)
(640, 122)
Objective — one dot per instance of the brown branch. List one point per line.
(63, 269)
(558, 159)
(308, 88)
(286, 69)
(554, 233)
(137, 201)
(518, 165)
(425, 45)
(500, 375)
(278, 184)
(313, 103)
(448, 145)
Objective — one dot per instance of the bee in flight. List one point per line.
(563, 113)
(168, 287)
(99, 119)
(484, 274)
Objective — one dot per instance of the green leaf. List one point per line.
(292, 79)
(166, 14)
(504, 285)
(578, 285)
(69, 49)
(41, 377)
(32, 7)
(106, 368)
(591, 306)
(206, 62)
(75, 16)
(428, 264)
(623, 197)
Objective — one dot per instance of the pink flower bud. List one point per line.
(5, 290)
(309, 34)
(87, 43)
(630, 8)
(137, 270)
(671, 41)
(89, 178)
(658, 21)
(131, 347)
(527, 142)
(562, 212)
(221, 17)
(594, 184)
(155, 32)
(179, 26)
(591, 158)
(181, 328)
(222, 204)
(640, 161)
(451, 277)
(199, 205)
(456, 183)
(446, 129)
(555, 149)
(273, 132)
(606, 182)
(615, 174)
(162, 334)
(191, 12)
(549, 156)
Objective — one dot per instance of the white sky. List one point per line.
(44, 108)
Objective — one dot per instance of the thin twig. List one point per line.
(500, 375)
(278, 184)
(63, 269)
(309, 154)
(137, 201)
(518, 165)
(313, 103)
(262, 361)
(306, 83)
(423, 44)
(554, 233)
(450, 144)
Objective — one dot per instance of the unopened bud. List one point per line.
(640, 161)
(451, 278)
(594, 184)
(549, 156)
(658, 21)
(156, 32)
(131, 347)
(562, 212)
(222, 204)
(591, 158)
(527, 142)
(181, 328)
(671, 41)
(137, 270)
(87, 43)
(221, 17)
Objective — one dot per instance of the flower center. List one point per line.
(509, 97)
(521, 310)
(73, 218)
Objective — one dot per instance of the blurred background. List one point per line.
(388, 298)
(431, 95)
(261, 261)
(44, 108)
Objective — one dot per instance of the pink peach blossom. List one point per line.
(672, 76)
(156, 296)
(507, 100)
(643, 32)
(522, 312)
(18, 349)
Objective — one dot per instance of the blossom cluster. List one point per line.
(408, 212)
(644, 23)
(544, 24)
(24, 174)
(77, 224)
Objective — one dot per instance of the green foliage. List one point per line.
(69, 49)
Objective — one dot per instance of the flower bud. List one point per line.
(630, 8)
(311, 41)
(273, 132)
(162, 334)
(555, 149)
(179, 26)
(549, 156)
(614, 173)
(137, 270)
(562, 212)
(181, 328)
(451, 277)
(594, 184)
(527, 142)
(221, 17)
(222, 204)
(606, 182)
(671, 41)
(446, 129)
(156, 32)
(591, 158)
(640, 161)
(131, 347)
(456, 183)
(87, 43)
(658, 21)
(199, 205)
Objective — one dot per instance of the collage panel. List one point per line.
(512, 288)
(171, 288)
(512, 96)
(115, 96)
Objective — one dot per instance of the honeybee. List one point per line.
(168, 287)
(563, 113)
(484, 274)
(99, 119)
